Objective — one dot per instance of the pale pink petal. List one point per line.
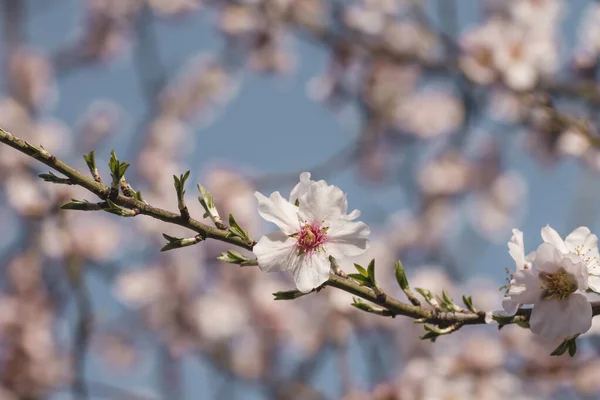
(324, 202)
(585, 244)
(276, 252)
(594, 283)
(547, 258)
(278, 210)
(510, 307)
(525, 287)
(346, 238)
(311, 271)
(578, 237)
(516, 249)
(549, 235)
(301, 187)
(353, 215)
(556, 319)
(577, 269)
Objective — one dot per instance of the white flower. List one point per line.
(584, 244)
(554, 288)
(311, 231)
(516, 249)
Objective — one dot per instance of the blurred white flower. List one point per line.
(430, 113)
(316, 228)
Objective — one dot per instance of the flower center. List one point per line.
(558, 285)
(311, 237)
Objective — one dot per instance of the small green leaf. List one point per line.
(363, 280)
(113, 208)
(234, 257)
(81, 205)
(447, 303)
(573, 348)
(361, 270)
(468, 302)
(401, 276)
(50, 177)
(236, 230)
(117, 169)
(90, 159)
(568, 345)
(371, 271)
(177, 243)
(428, 296)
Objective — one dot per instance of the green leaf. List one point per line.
(361, 270)
(431, 333)
(117, 169)
(236, 230)
(179, 184)
(81, 205)
(118, 210)
(90, 160)
(400, 276)
(177, 243)
(568, 345)
(234, 257)
(363, 280)
(428, 296)
(573, 348)
(50, 177)
(502, 320)
(371, 271)
(447, 303)
(468, 302)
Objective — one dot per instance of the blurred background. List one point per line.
(447, 123)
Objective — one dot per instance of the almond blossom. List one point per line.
(555, 287)
(314, 225)
(516, 249)
(584, 244)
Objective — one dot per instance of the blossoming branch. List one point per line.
(317, 235)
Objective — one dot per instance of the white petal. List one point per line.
(594, 283)
(556, 319)
(353, 215)
(549, 235)
(547, 258)
(578, 237)
(525, 287)
(510, 306)
(311, 271)
(324, 202)
(278, 210)
(516, 249)
(588, 246)
(301, 188)
(577, 269)
(276, 252)
(346, 238)
(530, 258)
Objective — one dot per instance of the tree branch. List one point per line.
(128, 202)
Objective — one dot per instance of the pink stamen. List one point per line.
(311, 237)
